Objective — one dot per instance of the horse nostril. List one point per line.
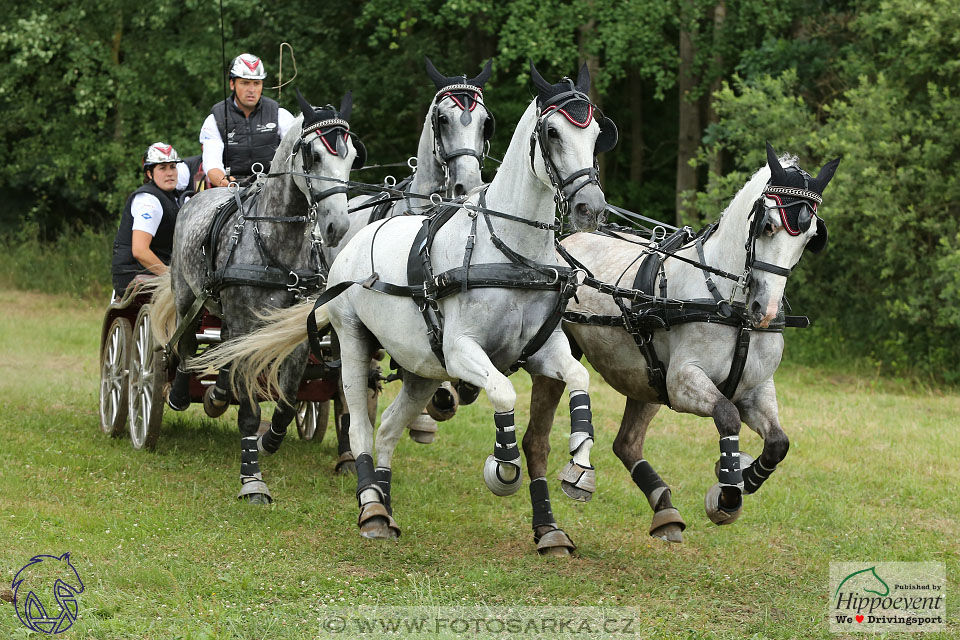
(330, 230)
(458, 190)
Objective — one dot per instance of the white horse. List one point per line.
(759, 240)
(504, 233)
(449, 161)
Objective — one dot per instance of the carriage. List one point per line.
(134, 370)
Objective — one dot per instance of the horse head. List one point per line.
(569, 133)
(324, 154)
(784, 223)
(461, 127)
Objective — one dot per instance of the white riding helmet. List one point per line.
(248, 66)
(159, 153)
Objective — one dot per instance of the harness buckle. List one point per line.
(293, 286)
(556, 276)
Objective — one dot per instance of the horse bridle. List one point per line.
(561, 196)
(802, 197)
(439, 150)
(319, 130)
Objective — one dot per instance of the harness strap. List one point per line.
(729, 386)
(722, 305)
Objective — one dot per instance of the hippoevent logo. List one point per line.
(887, 596)
(45, 594)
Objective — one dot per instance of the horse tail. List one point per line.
(254, 359)
(163, 308)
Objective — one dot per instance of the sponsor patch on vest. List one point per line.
(146, 216)
(267, 127)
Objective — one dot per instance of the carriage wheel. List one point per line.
(113, 378)
(146, 384)
(312, 419)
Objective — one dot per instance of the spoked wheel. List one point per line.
(312, 418)
(146, 384)
(113, 378)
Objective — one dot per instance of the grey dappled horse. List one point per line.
(697, 356)
(449, 161)
(293, 207)
(486, 331)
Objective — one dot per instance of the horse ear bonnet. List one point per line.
(579, 109)
(819, 242)
(334, 138)
(797, 213)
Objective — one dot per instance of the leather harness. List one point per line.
(642, 311)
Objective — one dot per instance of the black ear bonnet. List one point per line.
(570, 99)
(332, 127)
(465, 93)
(797, 195)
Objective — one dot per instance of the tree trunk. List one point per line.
(688, 110)
(719, 17)
(115, 59)
(637, 156)
(586, 34)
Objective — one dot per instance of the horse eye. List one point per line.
(553, 134)
(443, 119)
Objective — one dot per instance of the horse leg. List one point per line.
(628, 446)
(692, 391)
(413, 395)
(346, 463)
(252, 487)
(356, 348)
(578, 479)
(544, 398)
(290, 375)
(467, 361)
(759, 411)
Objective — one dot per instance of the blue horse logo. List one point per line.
(32, 582)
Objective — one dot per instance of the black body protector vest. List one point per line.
(248, 140)
(125, 266)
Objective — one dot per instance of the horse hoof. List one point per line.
(211, 406)
(555, 543)
(745, 461)
(502, 479)
(256, 498)
(423, 429)
(668, 525)
(717, 514)
(444, 402)
(377, 529)
(578, 482)
(669, 533)
(346, 463)
(376, 523)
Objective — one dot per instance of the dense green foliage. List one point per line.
(87, 87)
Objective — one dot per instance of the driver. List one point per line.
(251, 123)
(144, 240)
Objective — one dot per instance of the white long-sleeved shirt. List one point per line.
(147, 210)
(212, 141)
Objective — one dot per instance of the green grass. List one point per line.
(167, 552)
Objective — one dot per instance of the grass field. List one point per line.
(166, 552)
